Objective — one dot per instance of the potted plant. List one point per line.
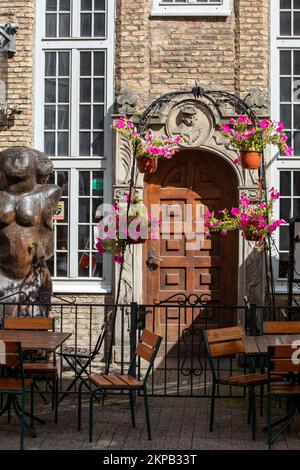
(251, 139)
(148, 149)
(253, 218)
(123, 224)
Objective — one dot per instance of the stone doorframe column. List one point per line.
(202, 133)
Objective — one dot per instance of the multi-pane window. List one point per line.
(289, 17)
(290, 95)
(57, 103)
(92, 103)
(289, 207)
(192, 7)
(58, 18)
(74, 80)
(92, 18)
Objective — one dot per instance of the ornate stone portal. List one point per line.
(27, 206)
(197, 122)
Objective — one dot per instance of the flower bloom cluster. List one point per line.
(243, 135)
(254, 219)
(147, 145)
(124, 222)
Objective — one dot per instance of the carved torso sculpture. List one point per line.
(27, 206)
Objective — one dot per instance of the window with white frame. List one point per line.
(74, 86)
(285, 91)
(191, 7)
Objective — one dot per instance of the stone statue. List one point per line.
(188, 128)
(27, 206)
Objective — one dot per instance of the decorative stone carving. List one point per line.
(124, 163)
(256, 98)
(27, 206)
(126, 102)
(192, 121)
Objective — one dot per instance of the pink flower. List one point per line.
(263, 205)
(244, 201)
(238, 136)
(235, 211)
(223, 232)
(223, 211)
(289, 152)
(264, 124)
(284, 138)
(280, 126)
(237, 161)
(274, 194)
(242, 119)
(226, 128)
(208, 215)
(232, 121)
(119, 259)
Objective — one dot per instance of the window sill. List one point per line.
(191, 10)
(81, 287)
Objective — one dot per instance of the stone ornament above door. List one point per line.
(192, 121)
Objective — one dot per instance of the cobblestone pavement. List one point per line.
(177, 423)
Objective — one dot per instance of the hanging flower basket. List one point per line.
(250, 160)
(147, 164)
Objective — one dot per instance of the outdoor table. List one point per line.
(258, 345)
(47, 341)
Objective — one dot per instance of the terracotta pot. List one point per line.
(147, 164)
(250, 160)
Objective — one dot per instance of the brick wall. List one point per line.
(156, 55)
(20, 72)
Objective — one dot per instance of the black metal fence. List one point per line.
(181, 367)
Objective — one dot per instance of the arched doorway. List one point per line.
(192, 177)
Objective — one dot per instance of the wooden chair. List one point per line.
(37, 369)
(281, 327)
(147, 349)
(224, 342)
(283, 360)
(13, 387)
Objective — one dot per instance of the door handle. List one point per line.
(153, 261)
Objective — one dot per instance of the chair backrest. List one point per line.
(147, 349)
(29, 324)
(10, 354)
(223, 342)
(281, 327)
(283, 358)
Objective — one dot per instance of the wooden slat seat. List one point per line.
(285, 389)
(115, 381)
(248, 379)
(13, 385)
(44, 367)
(281, 327)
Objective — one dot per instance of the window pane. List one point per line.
(84, 211)
(99, 24)
(64, 25)
(63, 117)
(297, 116)
(98, 184)
(63, 144)
(285, 183)
(283, 266)
(62, 237)
(63, 182)
(50, 143)
(49, 117)
(86, 5)
(296, 183)
(285, 4)
(50, 64)
(97, 265)
(85, 64)
(98, 117)
(63, 90)
(85, 144)
(86, 25)
(99, 90)
(285, 89)
(84, 183)
(285, 24)
(63, 64)
(99, 64)
(297, 143)
(85, 90)
(100, 5)
(297, 4)
(64, 5)
(51, 30)
(285, 209)
(98, 145)
(51, 5)
(62, 265)
(284, 238)
(50, 90)
(296, 23)
(85, 117)
(84, 264)
(296, 62)
(285, 63)
(296, 207)
(286, 115)
(83, 236)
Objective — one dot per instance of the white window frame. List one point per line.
(278, 163)
(191, 8)
(75, 163)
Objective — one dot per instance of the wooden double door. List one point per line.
(194, 179)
